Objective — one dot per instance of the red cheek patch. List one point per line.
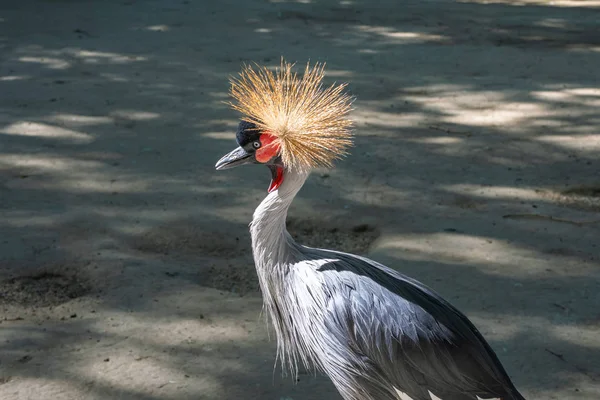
(269, 148)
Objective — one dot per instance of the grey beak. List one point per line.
(234, 158)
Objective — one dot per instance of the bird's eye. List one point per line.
(256, 144)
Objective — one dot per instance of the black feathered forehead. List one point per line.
(247, 132)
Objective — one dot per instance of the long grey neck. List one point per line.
(270, 240)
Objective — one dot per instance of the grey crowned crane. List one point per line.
(377, 334)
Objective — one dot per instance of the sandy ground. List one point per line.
(125, 267)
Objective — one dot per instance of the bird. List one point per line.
(375, 332)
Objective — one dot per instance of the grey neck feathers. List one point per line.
(274, 253)
(269, 235)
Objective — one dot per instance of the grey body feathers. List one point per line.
(372, 330)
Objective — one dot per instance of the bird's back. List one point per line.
(376, 332)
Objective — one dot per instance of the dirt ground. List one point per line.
(125, 265)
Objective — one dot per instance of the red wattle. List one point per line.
(277, 180)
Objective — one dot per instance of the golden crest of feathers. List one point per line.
(310, 122)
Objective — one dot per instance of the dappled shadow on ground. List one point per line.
(475, 161)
